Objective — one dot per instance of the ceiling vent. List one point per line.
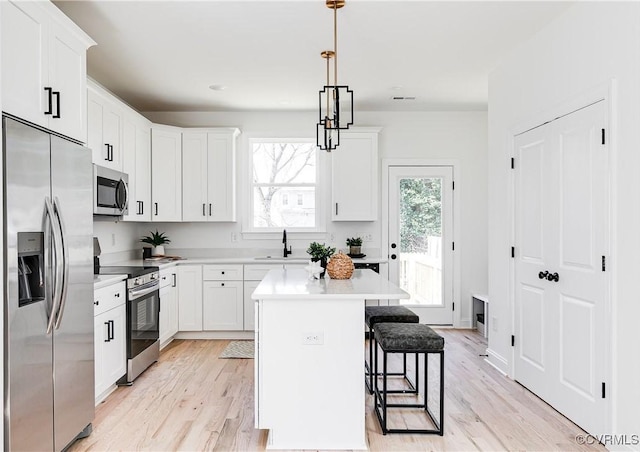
(403, 98)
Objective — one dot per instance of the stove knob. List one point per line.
(153, 276)
(136, 282)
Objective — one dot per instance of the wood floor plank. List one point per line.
(192, 400)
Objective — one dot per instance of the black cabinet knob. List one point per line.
(393, 256)
(96, 302)
(555, 277)
(222, 284)
(393, 245)
(543, 275)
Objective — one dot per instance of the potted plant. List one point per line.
(320, 252)
(355, 246)
(157, 241)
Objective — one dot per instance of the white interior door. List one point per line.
(561, 229)
(421, 239)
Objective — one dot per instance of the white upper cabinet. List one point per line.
(44, 67)
(209, 168)
(136, 162)
(354, 177)
(105, 124)
(166, 171)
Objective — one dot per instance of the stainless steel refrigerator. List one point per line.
(48, 355)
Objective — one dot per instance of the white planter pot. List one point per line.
(158, 250)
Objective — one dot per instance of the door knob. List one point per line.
(553, 277)
(543, 275)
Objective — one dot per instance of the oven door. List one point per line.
(143, 315)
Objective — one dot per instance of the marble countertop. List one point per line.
(162, 264)
(100, 281)
(295, 284)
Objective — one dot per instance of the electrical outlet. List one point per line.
(313, 338)
(332, 237)
(367, 237)
(494, 323)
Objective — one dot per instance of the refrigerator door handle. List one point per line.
(65, 261)
(57, 286)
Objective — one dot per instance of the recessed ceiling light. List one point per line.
(217, 87)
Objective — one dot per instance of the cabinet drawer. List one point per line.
(257, 272)
(168, 277)
(109, 297)
(222, 272)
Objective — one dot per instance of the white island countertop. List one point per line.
(295, 284)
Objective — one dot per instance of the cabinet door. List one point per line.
(166, 168)
(165, 295)
(68, 78)
(172, 324)
(222, 305)
(136, 162)
(100, 335)
(354, 172)
(104, 131)
(115, 351)
(249, 305)
(190, 298)
(221, 190)
(195, 206)
(23, 36)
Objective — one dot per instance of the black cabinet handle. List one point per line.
(175, 280)
(108, 339)
(141, 207)
(393, 256)
(204, 210)
(336, 208)
(209, 209)
(553, 277)
(156, 204)
(543, 275)
(107, 145)
(56, 94)
(49, 91)
(113, 330)
(96, 303)
(117, 295)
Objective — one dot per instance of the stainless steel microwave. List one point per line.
(110, 192)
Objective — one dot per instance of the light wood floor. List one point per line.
(192, 401)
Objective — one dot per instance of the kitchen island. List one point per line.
(309, 366)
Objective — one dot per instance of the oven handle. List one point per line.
(134, 294)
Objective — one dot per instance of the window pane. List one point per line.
(270, 210)
(284, 163)
(421, 240)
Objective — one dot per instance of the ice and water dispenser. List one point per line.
(31, 276)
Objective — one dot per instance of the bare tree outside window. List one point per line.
(284, 169)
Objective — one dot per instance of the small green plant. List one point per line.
(354, 241)
(155, 239)
(320, 251)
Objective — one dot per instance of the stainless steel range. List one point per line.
(143, 317)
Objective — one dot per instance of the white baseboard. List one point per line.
(215, 335)
(498, 362)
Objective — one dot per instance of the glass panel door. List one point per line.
(420, 239)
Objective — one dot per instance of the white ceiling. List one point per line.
(164, 55)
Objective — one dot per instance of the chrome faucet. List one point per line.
(284, 240)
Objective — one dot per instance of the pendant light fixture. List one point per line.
(335, 101)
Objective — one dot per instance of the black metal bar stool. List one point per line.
(408, 338)
(388, 314)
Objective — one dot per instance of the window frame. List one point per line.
(248, 229)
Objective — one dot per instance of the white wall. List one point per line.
(588, 46)
(425, 135)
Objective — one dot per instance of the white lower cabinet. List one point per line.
(249, 305)
(222, 301)
(222, 306)
(110, 334)
(168, 305)
(190, 298)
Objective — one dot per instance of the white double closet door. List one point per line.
(562, 227)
